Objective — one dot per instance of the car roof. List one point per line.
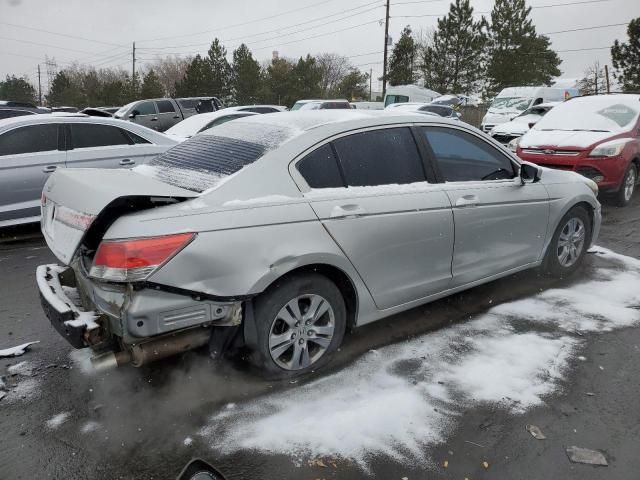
(347, 118)
(63, 117)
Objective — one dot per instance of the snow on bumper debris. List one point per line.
(398, 400)
(17, 350)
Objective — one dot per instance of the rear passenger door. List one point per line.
(500, 224)
(28, 155)
(371, 193)
(167, 115)
(100, 146)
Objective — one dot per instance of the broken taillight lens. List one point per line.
(135, 259)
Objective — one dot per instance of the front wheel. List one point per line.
(300, 322)
(569, 243)
(623, 197)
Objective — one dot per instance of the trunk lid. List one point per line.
(74, 200)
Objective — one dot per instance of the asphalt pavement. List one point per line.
(60, 422)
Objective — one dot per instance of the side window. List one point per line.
(137, 139)
(463, 157)
(146, 108)
(266, 110)
(86, 135)
(29, 139)
(165, 106)
(220, 121)
(320, 168)
(380, 157)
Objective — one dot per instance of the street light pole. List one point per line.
(386, 45)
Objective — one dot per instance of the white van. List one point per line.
(512, 101)
(408, 93)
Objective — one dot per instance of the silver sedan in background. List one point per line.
(33, 147)
(280, 231)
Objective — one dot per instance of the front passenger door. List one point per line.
(500, 224)
(147, 115)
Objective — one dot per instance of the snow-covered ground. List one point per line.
(398, 400)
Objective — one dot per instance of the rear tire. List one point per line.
(569, 243)
(625, 193)
(300, 321)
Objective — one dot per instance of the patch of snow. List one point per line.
(89, 427)
(25, 390)
(399, 399)
(86, 319)
(57, 420)
(23, 368)
(17, 351)
(187, 441)
(416, 187)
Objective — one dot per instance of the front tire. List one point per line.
(624, 194)
(569, 243)
(300, 322)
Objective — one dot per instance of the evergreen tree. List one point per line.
(307, 76)
(517, 54)
(17, 89)
(65, 92)
(197, 81)
(453, 60)
(151, 86)
(279, 85)
(246, 77)
(354, 86)
(625, 58)
(220, 71)
(400, 70)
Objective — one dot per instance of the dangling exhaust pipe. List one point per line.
(147, 352)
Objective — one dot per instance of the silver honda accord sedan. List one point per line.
(277, 232)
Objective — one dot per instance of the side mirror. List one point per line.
(198, 469)
(134, 114)
(530, 173)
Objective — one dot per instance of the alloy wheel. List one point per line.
(629, 184)
(571, 242)
(301, 332)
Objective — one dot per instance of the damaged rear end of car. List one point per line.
(100, 295)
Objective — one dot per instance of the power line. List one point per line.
(324, 2)
(44, 45)
(283, 28)
(60, 34)
(586, 28)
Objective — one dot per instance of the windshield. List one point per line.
(511, 103)
(608, 113)
(122, 110)
(203, 161)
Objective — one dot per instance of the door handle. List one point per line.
(467, 201)
(127, 161)
(154, 119)
(347, 211)
(49, 169)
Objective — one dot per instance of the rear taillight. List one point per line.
(134, 260)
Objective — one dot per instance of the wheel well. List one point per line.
(341, 280)
(587, 206)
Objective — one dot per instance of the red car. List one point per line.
(595, 136)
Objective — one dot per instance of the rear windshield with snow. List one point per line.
(606, 113)
(205, 160)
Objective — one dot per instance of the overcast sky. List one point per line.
(101, 32)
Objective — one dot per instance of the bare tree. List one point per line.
(170, 71)
(333, 69)
(593, 81)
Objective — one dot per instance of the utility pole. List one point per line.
(606, 76)
(370, 80)
(386, 44)
(39, 88)
(133, 67)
